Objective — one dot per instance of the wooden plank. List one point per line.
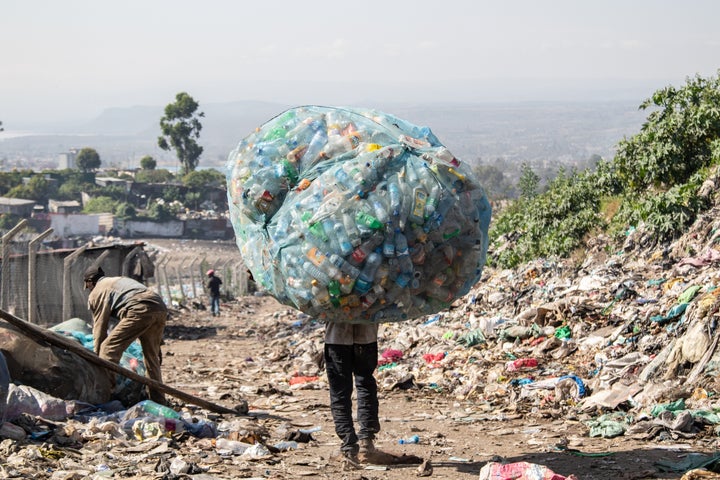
(61, 341)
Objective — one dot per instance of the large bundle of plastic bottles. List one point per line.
(354, 215)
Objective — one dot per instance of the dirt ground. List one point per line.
(235, 357)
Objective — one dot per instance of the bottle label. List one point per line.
(419, 203)
(316, 256)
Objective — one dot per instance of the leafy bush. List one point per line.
(551, 223)
(101, 204)
(654, 178)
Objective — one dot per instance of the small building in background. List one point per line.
(64, 206)
(16, 206)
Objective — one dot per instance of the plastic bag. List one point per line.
(355, 215)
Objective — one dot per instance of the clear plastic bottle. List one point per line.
(343, 240)
(320, 296)
(316, 273)
(417, 211)
(363, 250)
(379, 209)
(351, 228)
(338, 144)
(231, 447)
(329, 227)
(395, 197)
(405, 191)
(286, 445)
(317, 143)
(402, 252)
(389, 241)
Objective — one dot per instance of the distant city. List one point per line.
(545, 135)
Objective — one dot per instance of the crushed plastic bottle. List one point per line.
(351, 214)
(226, 446)
(410, 440)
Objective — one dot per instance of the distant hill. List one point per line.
(542, 133)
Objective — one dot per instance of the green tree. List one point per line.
(101, 204)
(676, 140)
(125, 211)
(154, 176)
(148, 163)
(160, 212)
(1, 127)
(171, 194)
(200, 179)
(529, 182)
(8, 221)
(192, 199)
(8, 180)
(37, 188)
(181, 128)
(88, 159)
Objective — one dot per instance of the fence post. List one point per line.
(67, 280)
(5, 275)
(158, 275)
(242, 279)
(192, 277)
(32, 274)
(167, 282)
(179, 277)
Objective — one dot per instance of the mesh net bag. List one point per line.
(354, 215)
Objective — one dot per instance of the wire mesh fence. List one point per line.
(44, 286)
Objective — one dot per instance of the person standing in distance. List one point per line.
(141, 314)
(213, 286)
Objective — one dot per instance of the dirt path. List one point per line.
(249, 353)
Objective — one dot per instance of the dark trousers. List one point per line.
(342, 362)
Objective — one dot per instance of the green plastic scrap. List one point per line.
(609, 425)
(672, 314)
(606, 429)
(691, 461)
(563, 332)
(656, 282)
(689, 294)
(707, 416)
(387, 366)
(472, 338)
(675, 406)
(605, 310)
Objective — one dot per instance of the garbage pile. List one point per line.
(354, 215)
(630, 330)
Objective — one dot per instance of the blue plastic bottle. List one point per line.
(343, 240)
(409, 440)
(367, 274)
(389, 242)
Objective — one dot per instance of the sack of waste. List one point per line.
(354, 215)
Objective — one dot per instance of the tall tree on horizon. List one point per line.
(88, 159)
(181, 128)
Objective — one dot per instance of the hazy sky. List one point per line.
(69, 59)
